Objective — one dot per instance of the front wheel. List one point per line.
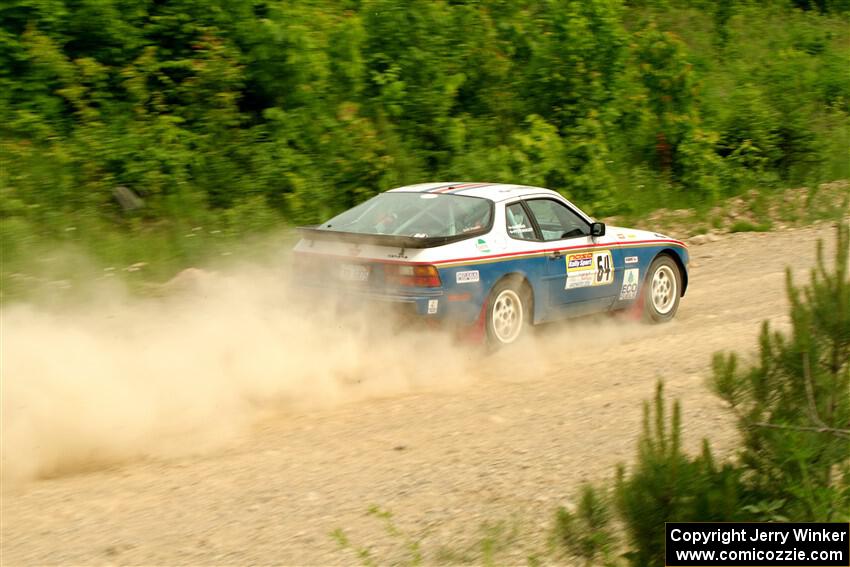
(661, 290)
(507, 313)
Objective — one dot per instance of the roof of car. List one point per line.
(492, 191)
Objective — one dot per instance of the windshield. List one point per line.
(421, 215)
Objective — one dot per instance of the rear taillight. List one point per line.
(412, 276)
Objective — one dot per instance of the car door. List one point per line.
(581, 273)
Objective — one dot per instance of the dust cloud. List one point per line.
(124, 378)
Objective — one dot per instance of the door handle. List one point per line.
(555, 255)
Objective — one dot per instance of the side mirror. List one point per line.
(597, 229)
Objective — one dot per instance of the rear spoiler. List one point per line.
(391, 240)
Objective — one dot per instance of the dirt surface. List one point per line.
(511, 439)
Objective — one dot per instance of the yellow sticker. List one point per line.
(589, 269)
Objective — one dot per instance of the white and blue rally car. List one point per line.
(493, 257)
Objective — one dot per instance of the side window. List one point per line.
(556, 220)
(518, 224)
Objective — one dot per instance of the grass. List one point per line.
(495, 540)
(757, 210)
(64, 260)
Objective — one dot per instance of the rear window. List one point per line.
(421, 215)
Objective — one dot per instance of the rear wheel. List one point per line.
(507, 313)
(661, 291)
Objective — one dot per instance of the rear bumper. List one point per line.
(427, 303)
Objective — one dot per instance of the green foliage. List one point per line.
(404, 548)
(793, 416)
(296, 110)
(586, 532)
(793, 406)
(412, 547)
(667, 485)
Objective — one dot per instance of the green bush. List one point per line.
(793, 407)
(793, 414)
(665, 485)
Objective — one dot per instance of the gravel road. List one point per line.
(508, 445)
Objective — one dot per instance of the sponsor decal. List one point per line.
(631, 259)
(579, 279)
(630, 284)
(519, 230)
(632, 235)
(482, 246)
(589, 269)
(432, 306)
(576, 261)
(470, 276)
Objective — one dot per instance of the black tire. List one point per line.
(508, 313)
(662, 290)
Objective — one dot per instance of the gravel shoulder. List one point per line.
(508, 444)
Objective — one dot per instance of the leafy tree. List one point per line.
(303, 108)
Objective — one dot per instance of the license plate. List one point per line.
(354, 272)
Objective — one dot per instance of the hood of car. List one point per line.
(626, 234)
